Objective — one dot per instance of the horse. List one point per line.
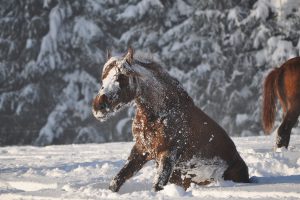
(283, 83)
(186, 145)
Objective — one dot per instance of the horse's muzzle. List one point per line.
(100, 105)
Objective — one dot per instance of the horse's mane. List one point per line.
(150, 65)
(161, 74)
(147, 61)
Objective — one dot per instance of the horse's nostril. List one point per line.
(103, 106)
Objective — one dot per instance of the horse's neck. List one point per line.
(149, 107)
(149, 91)
(144, 111)
(157, 92)
(155, 104)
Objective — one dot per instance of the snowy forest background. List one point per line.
(52, 53)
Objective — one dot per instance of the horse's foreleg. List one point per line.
(134, 163)
(284, 130)
(166, 163)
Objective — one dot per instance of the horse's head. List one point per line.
(117, 85)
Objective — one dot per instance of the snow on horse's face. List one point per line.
(117, 89)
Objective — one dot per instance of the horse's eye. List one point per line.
(122, 79)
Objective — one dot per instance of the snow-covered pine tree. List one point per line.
(52, 53)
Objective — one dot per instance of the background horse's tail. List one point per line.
(269, 100)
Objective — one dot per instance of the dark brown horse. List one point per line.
(187, 145)
(283, 83)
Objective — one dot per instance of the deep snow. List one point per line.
(84, 172)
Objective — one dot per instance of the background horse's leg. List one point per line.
(284, 130)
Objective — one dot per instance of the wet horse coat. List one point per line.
(187, 145)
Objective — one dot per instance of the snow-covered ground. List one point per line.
(84, 172)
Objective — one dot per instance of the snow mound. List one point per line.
(173, 190)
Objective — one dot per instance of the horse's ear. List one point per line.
(129, 55)
(108, 54)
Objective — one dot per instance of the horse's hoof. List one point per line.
(280, 149)
(282, 142)
(113, 186)
(157, 188)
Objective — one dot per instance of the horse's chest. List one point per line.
(150, 135)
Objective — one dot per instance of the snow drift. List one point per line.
(84, 172)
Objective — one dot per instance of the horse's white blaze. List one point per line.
(111, 60)
(110, 85)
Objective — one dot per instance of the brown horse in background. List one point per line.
(283, 83)
(187, 145)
